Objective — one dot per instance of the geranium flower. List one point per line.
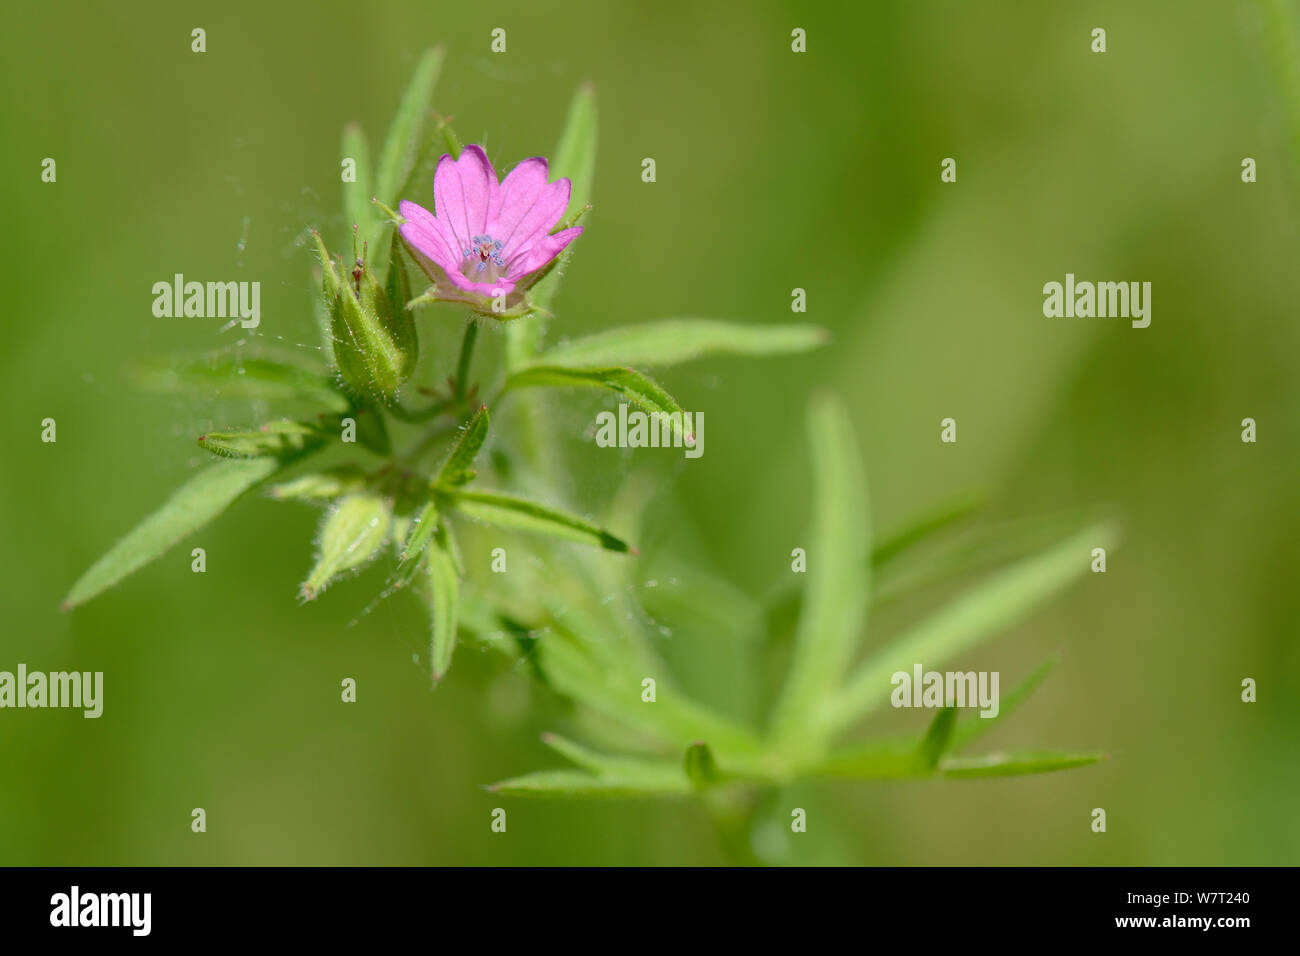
(487, 239)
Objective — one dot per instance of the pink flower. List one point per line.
(487, 239)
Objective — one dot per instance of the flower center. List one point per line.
(482, 261)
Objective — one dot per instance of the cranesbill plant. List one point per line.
(498, 247)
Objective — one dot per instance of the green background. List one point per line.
(775, 171)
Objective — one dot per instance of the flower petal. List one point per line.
(463, 191)
(541, 252)
(490, 289)
(428, 235)
(519, 191)
(540, 219)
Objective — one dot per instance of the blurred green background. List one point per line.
(775, 171)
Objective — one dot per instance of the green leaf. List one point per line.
(421, 534)
(189, 508)
(357, 206)
(979, 614)
(228, 376)
(578, 783)
(351, 534)
(407, 130)
(837, 585)
(701, 768)
(637, 388)
(975, 726)
(458, 468)
(283, 440)
(321, 485)
(879, 760)
(673, 341)
(938, 738)
(925, 527)
(520, 514)
(445, 595)
(574, 157)
(1017, 763)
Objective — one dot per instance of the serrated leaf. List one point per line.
(284, 440)
(232, 377)
(980, 613)
(444, 583)
(1016, 763)
(189, 508)
(520, 514)
(637, 388)
(351, 534)
(835, 592)
(673, 341)
(458, 470)
(321, 485)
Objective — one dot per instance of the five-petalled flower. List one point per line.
(487, 241)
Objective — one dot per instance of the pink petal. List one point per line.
(463, 191)
(429, 235)
(492, 289)
(540, 219)
(542, 251)
(519, 191)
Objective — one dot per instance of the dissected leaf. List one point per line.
(351, 534)
(835, 592)
(673, 341)
(639, 389)
(979, 614)
(520, 514)
(190, 507)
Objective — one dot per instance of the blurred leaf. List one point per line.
(574, 157)
(351, 534)
(281, 440)
(878, 760)
(979, 614)
(520, 514)
(837, 585)
(671, 781)
(923, 528)
(189, 508)
(937, 738)
(445, 595)
(1017, 763)
(321, 485)
(673, 341)
(231, 377)
(700, 766)
(357, 207)
(975, 726)
(372, 430)
(458, 468)
(637, 388)
(406, 132)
